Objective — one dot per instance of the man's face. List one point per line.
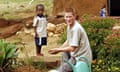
(69, 18)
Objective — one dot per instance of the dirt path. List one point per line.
(29, 49)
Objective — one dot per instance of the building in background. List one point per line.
(113, 7)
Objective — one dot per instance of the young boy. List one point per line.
(40, 24)
(103, 11)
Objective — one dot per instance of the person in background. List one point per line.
(76, 45)
(103, 11)
(40, 25)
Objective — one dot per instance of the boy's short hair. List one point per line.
(41, 6)
(70, 10)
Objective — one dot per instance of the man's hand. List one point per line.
(54, 51)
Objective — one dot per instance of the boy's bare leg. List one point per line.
(38, 50)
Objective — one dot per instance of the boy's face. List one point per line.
(39, 10)
(69, 18)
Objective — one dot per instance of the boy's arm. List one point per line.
(35, 31)
(35, 24)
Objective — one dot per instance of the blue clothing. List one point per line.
(102, 12)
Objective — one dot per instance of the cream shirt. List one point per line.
(41, 26)
(77, 36)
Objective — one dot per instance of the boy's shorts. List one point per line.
(43, 41)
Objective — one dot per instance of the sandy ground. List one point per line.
(29, 49)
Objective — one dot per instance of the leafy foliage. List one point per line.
(63, 37)
(7, 53)
(98, 30)
(104, 44)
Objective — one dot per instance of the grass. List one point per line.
(27, 54)
(19, 9)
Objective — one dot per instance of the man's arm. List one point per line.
(71, 47)
(67, 49)
(63, 49)
(60, 49)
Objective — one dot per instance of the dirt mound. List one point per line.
(81, 6)
(55, 20)
(5, 23)
(10, 30)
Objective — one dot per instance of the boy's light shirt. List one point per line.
(41, 26)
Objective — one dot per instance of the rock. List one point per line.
(53, 71)
(22, 6)
(116, 27)
(19, 32)
(60, 28)
(28, 31)
(50, 34)
(116, 30)
(56, 35)
(29, 24)
(32, 34)
(51, 27)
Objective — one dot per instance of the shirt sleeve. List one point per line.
(34, 21)
(75, 38)
(46, 22)
(104, 10)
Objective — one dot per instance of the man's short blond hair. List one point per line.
(73, 11)
(70, 10)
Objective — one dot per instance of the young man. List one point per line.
(76, 45)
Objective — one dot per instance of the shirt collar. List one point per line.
(41, 16)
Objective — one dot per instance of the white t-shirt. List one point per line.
(77, 36)
(41, 24)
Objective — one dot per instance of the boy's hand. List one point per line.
(36, 35)
(54, 51)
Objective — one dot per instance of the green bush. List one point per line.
(105, 48)
(63, 37)
(98, 30)
(8, 54)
